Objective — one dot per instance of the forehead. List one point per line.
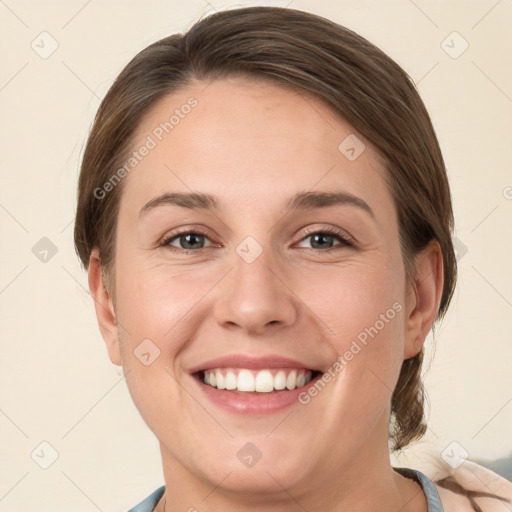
(241, 139)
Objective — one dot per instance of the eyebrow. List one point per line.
(303, 200)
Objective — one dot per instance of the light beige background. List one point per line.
(58, 385)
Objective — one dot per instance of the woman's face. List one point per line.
(252, 295)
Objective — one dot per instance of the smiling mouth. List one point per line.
(250, 381)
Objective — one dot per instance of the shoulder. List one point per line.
(453, 501)
(463, 485)
(473, 487)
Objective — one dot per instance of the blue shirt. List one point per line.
(433, 500)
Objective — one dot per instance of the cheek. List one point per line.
(362, 309)
(355, 298)
(160, 308)
(154, 300)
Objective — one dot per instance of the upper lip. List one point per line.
(252, 362)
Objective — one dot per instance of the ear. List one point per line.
(104, 306)
(423, 297)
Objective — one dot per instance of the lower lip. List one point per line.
(255, 403)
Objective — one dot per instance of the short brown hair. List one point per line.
(311, 54)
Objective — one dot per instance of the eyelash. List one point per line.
(337, 233)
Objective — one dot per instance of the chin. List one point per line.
(262, 464)
(261, 479)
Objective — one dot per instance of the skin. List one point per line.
(253, 145)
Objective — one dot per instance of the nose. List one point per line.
(255, 297)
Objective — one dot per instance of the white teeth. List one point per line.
(262, 381)
(280, 380)
(220, 380)
(291, 381)
(245, 381)
(231, 380)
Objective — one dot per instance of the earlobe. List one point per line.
(104, 307)
(424, 297)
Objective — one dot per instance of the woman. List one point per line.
(266, 220)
